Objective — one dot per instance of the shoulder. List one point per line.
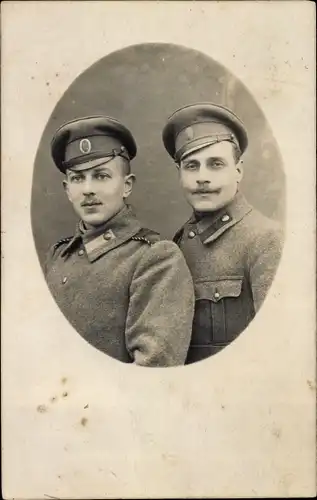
(259, 226)
(154, 244)
(157, 250)
(263, 236)
(147, 236)
(55, 250)
(62, 242)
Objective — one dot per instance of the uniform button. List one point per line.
(225, 218)
(107, 236)
(64, 280)
(191, 234)
(217, 295)
(81, 252)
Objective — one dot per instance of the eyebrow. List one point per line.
(71, 173)
(216, 158)
(101, 169)
(193, 160)
(210, 158)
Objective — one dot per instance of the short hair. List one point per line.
(126, 166)
(236, 152)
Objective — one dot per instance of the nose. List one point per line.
(88, 187)
(203, 176)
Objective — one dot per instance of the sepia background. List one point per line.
(78, 424)
(142, 86)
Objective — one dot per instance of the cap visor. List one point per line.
(87, 165)
(197, 147)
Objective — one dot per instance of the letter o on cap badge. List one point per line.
(85, 146)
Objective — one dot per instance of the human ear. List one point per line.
(66, 188)
(129, 180)
(239, 169)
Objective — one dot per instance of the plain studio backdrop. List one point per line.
(75, 423)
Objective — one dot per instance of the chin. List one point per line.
(95, 221)
(205, 207)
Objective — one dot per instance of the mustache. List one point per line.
(90, 202)
(205, 190)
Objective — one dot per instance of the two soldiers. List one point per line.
(127, 292)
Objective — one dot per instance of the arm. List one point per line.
(160, 314)
(266, 254)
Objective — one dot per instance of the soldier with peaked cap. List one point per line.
(231, 249)
(117, 283)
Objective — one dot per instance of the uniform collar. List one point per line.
(101, 240)
(210, 227)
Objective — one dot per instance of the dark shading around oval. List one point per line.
(141, 86)
(232, 270)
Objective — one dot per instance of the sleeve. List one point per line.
(266, 254)
(161, 308)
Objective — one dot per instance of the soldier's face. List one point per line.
(210, 177)
(97, 194)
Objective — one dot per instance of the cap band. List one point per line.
(93, 147)
(200, 135)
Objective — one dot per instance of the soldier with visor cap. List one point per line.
(231, 249)
(116, 282)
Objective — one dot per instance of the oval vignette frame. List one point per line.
(142, 85)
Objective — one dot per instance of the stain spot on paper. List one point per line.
(84, 421)
(53, 399)
(86, 406)
(286, 482)
(41, 408)
(64, 380)
(65, 394)
(276, 432)
(311, 385)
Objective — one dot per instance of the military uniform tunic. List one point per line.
(232, 256)
(125, 291)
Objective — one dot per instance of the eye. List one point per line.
(190, 166)
(76, 178)
(217, 164)
(102, 175)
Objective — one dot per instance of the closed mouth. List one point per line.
(91, 204)
(207, 191)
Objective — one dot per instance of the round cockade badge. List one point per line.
(85, 146)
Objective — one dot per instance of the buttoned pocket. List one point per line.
(217, 302)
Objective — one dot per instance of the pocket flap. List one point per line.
(217, 290)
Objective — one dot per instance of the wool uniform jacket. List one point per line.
(233, 256)
(125, 291)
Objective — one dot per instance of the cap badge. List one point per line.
(85, 146)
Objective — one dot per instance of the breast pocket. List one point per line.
(217, 310)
